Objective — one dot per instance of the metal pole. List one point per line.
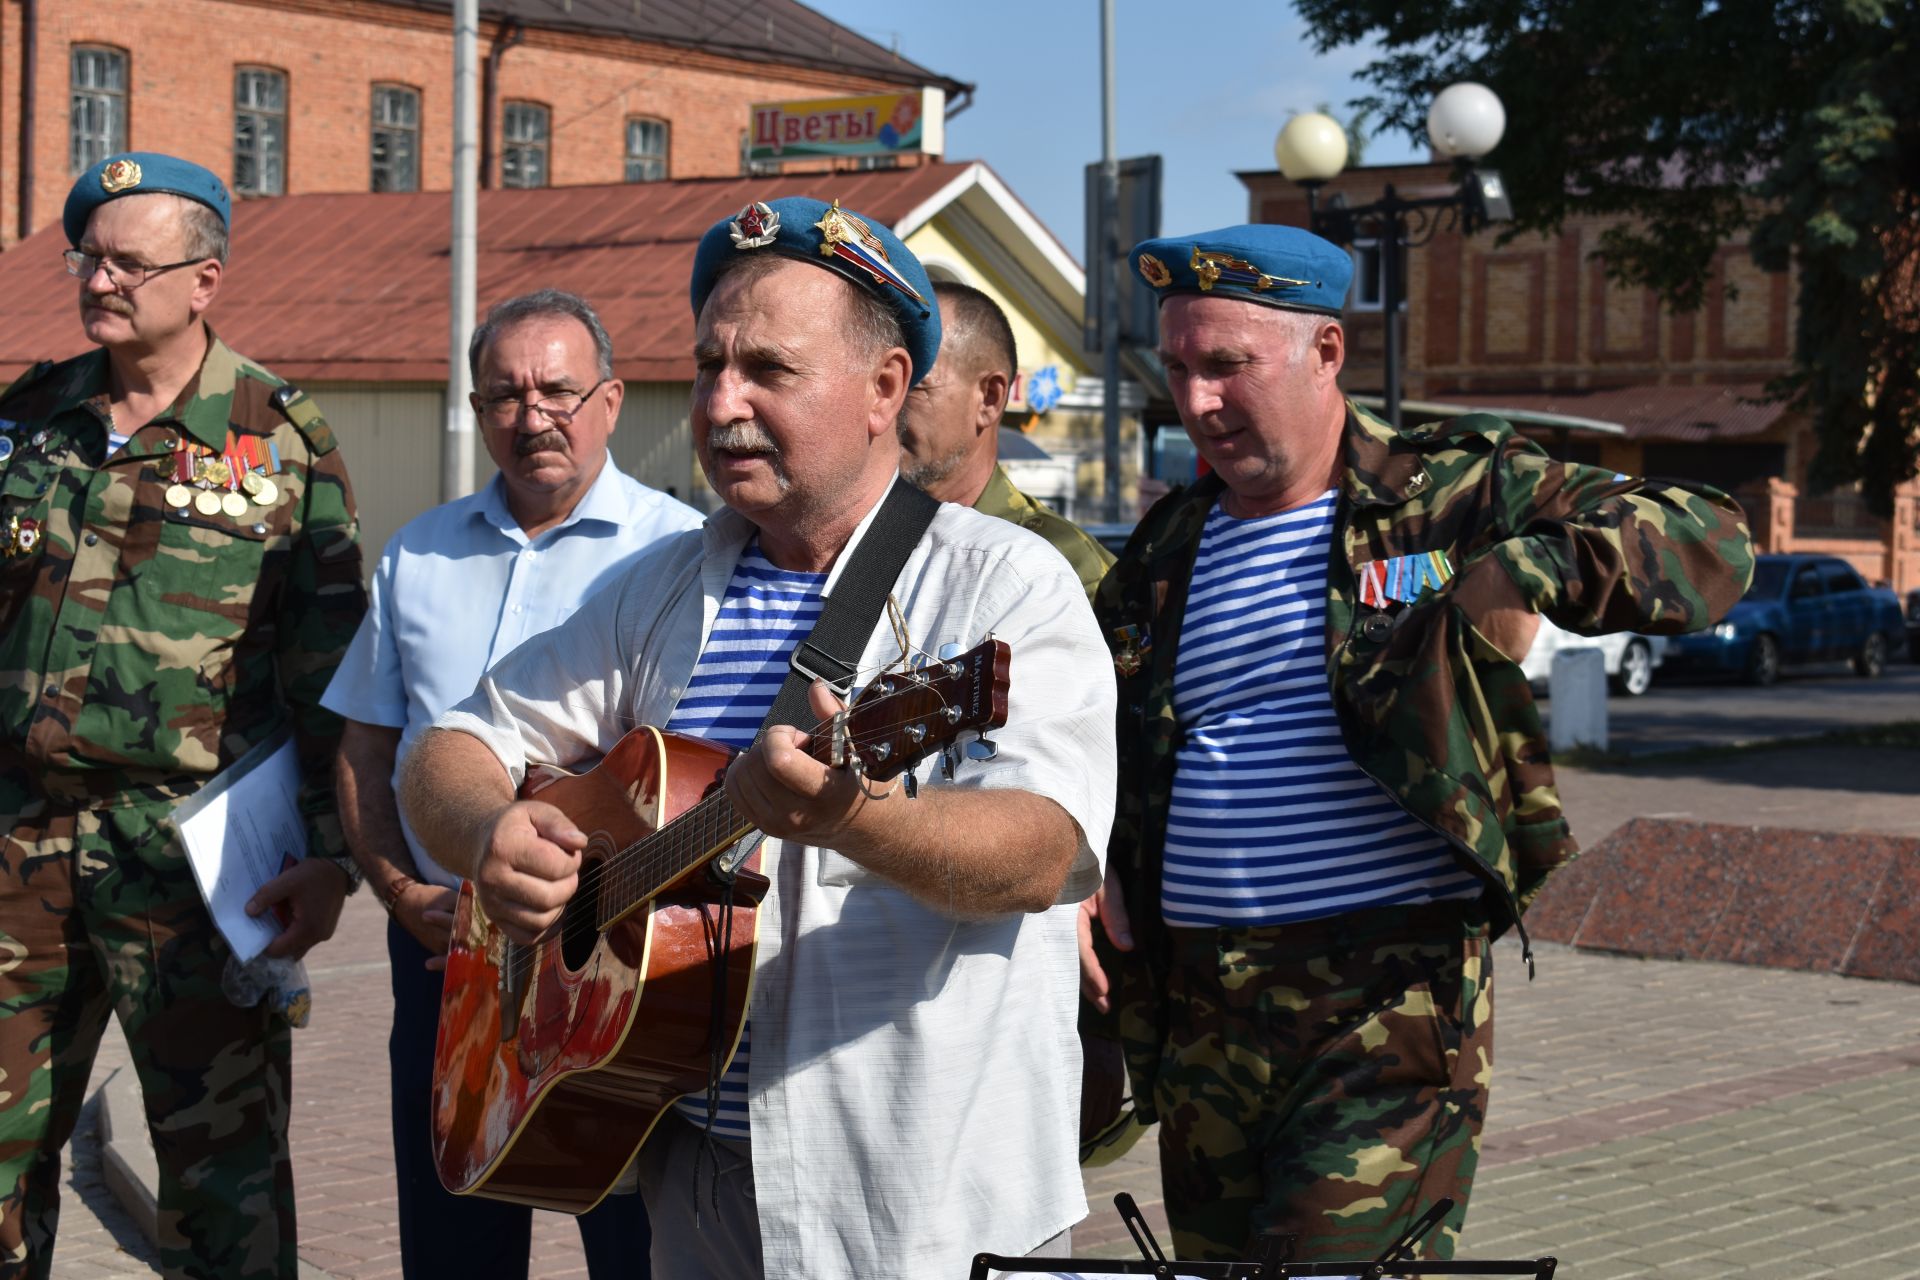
(1109, 264)
(456, 454)
(1393, 289)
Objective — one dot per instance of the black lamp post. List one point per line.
(1464, 123)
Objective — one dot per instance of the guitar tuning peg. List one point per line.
(949, 651)
(982, 749)
(912, 785)
(946, 763)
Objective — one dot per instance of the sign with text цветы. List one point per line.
(872, 124)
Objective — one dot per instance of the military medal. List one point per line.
(264, 491)
(234, 505)
(27, 536)
(1135, 645)
(178, 495)
(1403, 579)
(207, 503)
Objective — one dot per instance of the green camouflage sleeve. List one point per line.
(1595, 551)
(321, 609)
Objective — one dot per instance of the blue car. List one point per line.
(1799, 609)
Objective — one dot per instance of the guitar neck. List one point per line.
(896, 722)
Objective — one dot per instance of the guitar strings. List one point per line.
(698, 833)
(662, 856)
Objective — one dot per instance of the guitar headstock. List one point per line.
(901, 719)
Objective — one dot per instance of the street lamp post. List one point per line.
(1464, 123)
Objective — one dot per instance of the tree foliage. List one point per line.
(1795, 122)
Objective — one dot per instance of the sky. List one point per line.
(1206, 85)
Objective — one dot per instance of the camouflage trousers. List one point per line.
(1326, 1079)
(98, 913)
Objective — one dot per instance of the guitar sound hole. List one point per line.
(578, 932)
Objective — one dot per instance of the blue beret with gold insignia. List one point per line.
(861, 249)
(1277, 266)
(135, 173)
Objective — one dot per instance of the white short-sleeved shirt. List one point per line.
(461, 586)
(916, 1076)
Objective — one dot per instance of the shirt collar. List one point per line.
(603, 502)
(203, 407)
(1382, 466)
(727, 530)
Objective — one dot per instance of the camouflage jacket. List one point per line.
(1088, 558)
(147, 643)
(1438, 716)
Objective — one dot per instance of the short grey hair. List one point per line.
(203, 234)
(873, 323)
(529, 306)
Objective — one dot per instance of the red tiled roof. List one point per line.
(355, 287)
(1649, 413)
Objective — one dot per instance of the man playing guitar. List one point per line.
(905, 1090)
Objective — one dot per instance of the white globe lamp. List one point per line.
(1311, 148)
(1466, 120)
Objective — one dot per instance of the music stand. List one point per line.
(1273, 1265)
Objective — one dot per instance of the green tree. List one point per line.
(1796, 122)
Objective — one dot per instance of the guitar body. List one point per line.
(545, 1088)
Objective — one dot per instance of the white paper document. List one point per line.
(238, 831)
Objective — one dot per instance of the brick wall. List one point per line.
(1538, 313)
(182, 55)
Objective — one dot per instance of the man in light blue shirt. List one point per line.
(456, 590)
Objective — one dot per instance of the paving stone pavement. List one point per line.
(1649, 1118)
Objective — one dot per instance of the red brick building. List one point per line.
(1534, 328)
(294, 96)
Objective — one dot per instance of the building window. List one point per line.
(259, 132)
(523, 160)
(646, 150)
(1369, 292)
(97, 119)
(396, 138)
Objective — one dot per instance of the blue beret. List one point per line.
(1278, 266)
(859, 248)
(135, 173)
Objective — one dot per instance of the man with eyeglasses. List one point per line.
(456, 590)
(179, 575)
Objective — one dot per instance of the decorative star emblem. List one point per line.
(757, 226)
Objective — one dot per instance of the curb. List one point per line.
(127, 1163)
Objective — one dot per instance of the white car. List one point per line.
(1629, 658)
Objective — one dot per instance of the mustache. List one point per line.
(742, 437)
(548, 441)
(109, 302)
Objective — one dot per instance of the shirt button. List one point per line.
(53, 691)
(92, 538)
(1376, 626)
(259, 528)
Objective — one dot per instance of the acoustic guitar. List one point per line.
(555, 1059)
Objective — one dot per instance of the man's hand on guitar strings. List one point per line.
(529, 869)
(788, 794)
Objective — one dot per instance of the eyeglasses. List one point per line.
(122, 273)
(557, 407)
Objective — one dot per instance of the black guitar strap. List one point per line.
(847, 618)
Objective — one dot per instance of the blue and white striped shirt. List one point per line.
(767, 611)
(1271, 820)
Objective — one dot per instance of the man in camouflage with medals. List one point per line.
(179, 576)
(1334, 785)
